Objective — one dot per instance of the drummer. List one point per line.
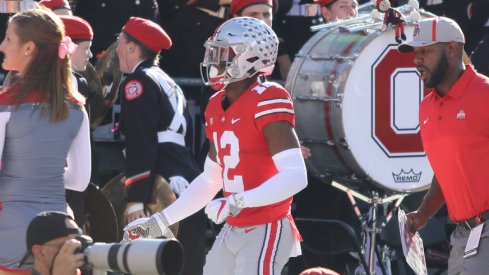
(338, 9)
(333, 10)
(264, 10)
(333, 203)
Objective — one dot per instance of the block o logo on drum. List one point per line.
(397, 91)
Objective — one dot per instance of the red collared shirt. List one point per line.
(455, 135)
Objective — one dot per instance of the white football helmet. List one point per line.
(238, 49)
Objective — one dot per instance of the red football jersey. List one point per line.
(241, 147)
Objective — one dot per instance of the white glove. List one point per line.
(178, 184)
(153, 227)
(218, 210)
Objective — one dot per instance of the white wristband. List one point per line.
(135, 207)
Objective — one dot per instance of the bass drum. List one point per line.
(356, 102)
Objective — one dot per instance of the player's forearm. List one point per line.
(290, 179)
(432, 201)
(200, 191)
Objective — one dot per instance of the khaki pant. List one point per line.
(474, 265)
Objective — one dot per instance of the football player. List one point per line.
(254, 157)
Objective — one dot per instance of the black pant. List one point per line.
(192, 235)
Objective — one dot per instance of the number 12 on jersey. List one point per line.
(230, 161)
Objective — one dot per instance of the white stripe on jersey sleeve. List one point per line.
(273, 101)
(273, 111)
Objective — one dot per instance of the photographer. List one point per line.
(52, 246)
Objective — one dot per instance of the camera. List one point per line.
(139, 257)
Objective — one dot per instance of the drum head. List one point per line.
(356, 99)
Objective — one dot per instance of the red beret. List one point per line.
(237, 6)
(318, 271)
(55, 4)
(148, 33)
(77, 28)
(323, 3)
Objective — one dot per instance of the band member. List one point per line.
(44, 129)
(60, 7)
(254, 157)
(154, 120)
(81, 34)
(454, 126)
(293, 22)
(338, 9)
(334, 203)
(264, 10)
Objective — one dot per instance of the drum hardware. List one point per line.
(360, 178)
(331, 78)
(303, 76)
(344, 143)
(372, 225)
(362, 27)
(366, 18)
(366, 6)
(318, 141)
(354, 177)
(315, 98)
(337, 58)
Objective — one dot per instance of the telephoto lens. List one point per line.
(138, 257)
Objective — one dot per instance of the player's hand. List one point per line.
(218, 210)
(153, 227)
(415, 221)
(67, 261)
(178, 184)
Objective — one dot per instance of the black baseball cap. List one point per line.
(46, 226)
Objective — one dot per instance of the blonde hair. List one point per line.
(46, 73)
